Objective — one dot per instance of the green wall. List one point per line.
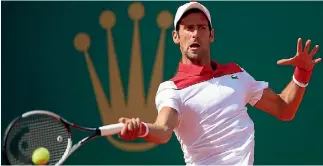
(41, 69)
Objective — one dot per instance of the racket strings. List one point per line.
(33, 132)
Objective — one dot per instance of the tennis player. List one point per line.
(204, 104)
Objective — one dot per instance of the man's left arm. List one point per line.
(285, 105)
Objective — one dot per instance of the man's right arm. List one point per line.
(161, 131)
(168, 105)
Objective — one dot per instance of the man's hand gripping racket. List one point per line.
(39, 128)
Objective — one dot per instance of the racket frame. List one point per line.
(4, 147)
(100, 131)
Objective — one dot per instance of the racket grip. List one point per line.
(111, 129)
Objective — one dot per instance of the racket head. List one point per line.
(32, 130)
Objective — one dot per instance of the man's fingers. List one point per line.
(307, 46)
(136, 123)
(135, 127)
(139, 126)
(299, 45)
(130, 131)
(130, 127)
(124, 130)
(129, 134)
(122, 120)
(314, 50)
(285, 61)
(317, 60)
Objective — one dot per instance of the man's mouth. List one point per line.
(195, 45)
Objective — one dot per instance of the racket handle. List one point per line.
(111, 129)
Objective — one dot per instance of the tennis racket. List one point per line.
(40, 128)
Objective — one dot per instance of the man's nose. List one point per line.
(195, 32)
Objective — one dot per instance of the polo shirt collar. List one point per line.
(195, 70)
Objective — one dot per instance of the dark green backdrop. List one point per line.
(42, 70)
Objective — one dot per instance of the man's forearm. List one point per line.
(161, 130)
(292, 95)
(158, 134)
(294, 92)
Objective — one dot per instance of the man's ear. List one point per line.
(175, 37)
(212, 35)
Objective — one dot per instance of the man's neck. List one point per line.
(198, 62)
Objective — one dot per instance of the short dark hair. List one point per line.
(194, 10)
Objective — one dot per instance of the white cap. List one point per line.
(191, 5)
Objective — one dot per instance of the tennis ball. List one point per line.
(40, 156)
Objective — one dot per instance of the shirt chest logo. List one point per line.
(234, 77)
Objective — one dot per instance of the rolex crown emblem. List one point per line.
(137, 104)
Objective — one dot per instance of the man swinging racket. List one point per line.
(204, 104)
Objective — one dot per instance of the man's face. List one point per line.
(194, 36)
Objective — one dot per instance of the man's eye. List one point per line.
(190, 27)
(202, 27)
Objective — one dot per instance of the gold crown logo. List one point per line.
(136, 106)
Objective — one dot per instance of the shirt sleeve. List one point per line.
(167, 96)
(255, 88)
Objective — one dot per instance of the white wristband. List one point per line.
(147, 130)
(299, 83)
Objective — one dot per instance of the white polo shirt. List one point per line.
(214, 126)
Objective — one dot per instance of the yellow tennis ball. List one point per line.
(40, 156)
